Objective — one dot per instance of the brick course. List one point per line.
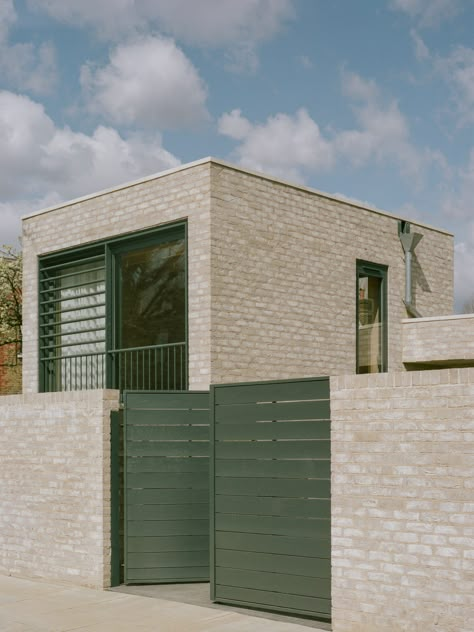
(283, 278)
(55, 486)
(403, 501)
(439, 341)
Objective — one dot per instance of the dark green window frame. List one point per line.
(101, 367)
(380, 272)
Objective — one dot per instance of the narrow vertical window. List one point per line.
(371, 318)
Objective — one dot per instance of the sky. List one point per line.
(371, 100)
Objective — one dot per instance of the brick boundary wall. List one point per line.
(55, 486)
(403, 501)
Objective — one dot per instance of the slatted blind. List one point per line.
(270, 477)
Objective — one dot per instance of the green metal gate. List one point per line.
(166, 485)
(270, 496)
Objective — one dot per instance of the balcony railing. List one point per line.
(152, 368)
(157, 368)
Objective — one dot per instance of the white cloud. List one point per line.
(23, 65)
(235, 25)
(39, 159)
(204, 23)
(428, 13)
(284, 145)
(382, 134)
(149, 82)
(422, 52)
(458, 70)
(288, 146)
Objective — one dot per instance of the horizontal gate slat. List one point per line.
(295, 546)
(305, 527)
(160, 464)
(167, 416)
(168, 433)
(169, 512)
(272, 449)
(168, 448)
(152, 544)
(171, 496)
(273, 600)
(274, 430)
(275, 582)
(156, 401)
(271, 495)
(246, 413)
(272, 468)
(169, 575)
(284, 564)
(166, 441)
(296, 507)
(168, 527)
(287, 488)
(171, 559)
(272, 391)
(175, 480)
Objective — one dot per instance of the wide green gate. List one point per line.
(166, 487)
(270, 496)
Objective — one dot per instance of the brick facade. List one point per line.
(181, 194)
(55, 486)
(272, 269)
(283, 278)
(403, 501)
(439, 341)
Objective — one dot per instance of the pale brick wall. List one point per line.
(283, 278)
(55, 486)
(159, 200)
(403, 502)
(441, 340)
(275, 263)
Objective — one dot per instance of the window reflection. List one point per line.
(370, 321)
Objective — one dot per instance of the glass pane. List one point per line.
(370, 349)
(152, 295)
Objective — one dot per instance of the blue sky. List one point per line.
(373, 100)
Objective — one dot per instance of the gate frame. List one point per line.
(119, 553)
(212, 517)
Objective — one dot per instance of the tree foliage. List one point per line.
(10, 296)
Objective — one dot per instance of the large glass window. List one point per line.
(114, 315)
(371, 318)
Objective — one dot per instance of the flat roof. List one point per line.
(223, 163)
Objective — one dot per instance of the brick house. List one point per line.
(211, 275)
(261, 281)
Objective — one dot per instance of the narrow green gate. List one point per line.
(270, 496)
(166, 484)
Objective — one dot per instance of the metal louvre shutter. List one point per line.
(270, 496)
(166, 487)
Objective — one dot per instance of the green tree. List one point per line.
(10, 297)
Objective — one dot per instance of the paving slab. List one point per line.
(28, 605)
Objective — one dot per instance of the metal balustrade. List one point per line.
(152, 368)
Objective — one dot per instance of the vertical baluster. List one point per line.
(174, 367)
(156, 369)
(125, 371)
(149, 369)
(161, 368)
(168, 367)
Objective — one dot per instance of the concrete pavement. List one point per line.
(36, 606)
